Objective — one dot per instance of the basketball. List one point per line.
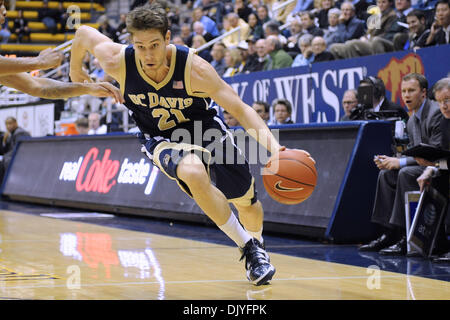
(290, 176)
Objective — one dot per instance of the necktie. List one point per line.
(417, 136)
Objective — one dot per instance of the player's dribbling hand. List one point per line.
(49, 58)
(106, 89)
(283, 148)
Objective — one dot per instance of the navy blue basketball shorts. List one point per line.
(227, 167)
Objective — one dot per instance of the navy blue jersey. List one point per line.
(160, 108)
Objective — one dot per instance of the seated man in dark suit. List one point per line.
(437, 172)
(399, 175)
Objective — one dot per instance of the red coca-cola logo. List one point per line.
(96, 175)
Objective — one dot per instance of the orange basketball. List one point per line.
(290, 176)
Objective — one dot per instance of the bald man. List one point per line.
(319, 49)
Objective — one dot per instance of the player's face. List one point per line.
(2, 12)
(443, 98)
(150, 46)
(412, 94)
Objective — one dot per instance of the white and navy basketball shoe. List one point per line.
(259, 269)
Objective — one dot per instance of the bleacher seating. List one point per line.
(40, 37)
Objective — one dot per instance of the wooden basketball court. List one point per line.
(48, 258)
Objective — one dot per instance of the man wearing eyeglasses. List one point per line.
(349, 102)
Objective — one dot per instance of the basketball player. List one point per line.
(13, 74)
(168, 87)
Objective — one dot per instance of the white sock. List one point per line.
(256, 234)
(233, 229)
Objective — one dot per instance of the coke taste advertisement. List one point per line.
(108, 171)
(96, 172)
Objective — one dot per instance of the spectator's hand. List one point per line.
(434, 28)
(424, 163)
(106, 89)
(49, 58)
(387, 163)
(425, 178)
(5, 137)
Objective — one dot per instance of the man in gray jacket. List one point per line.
(399, 175)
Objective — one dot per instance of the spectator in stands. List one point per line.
(306, 57)
(440, 29)
(21, 28)
(121, 30)
(282, 110)
(262, 109)
(302, 6)
(186, 34)
(98, 74)
(94, 124)
(322, 13)
(417, 34)
(385, 29)
(233, 21)
(380, 101)
(282, 14)
(332, 34)
(48, 17)
(319, 49)
(229, 119)
(263, 14)
(349, 27)
(105, 27)
(278, 57)
(254, 5)
(263, 57)
(241, 9)
(61, 17)
(218, 55)
(5, 34)
(178, 40)
(385, 43)
(308, 24)
(215, 10)
(199, 29)
(255, 28)
(248, 56)
(199, 41)
(209, 24)
(398, 175)
(437, 173)
(82, 125)
(232, 61)
(349, 102)
(272, 28)
(296, 31)
(12, 136)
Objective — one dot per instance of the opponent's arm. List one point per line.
(205, 79)
(53, 89)
(46, 59)
(107, 52)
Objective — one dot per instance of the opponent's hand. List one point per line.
(49, 58)
(424, 163)
(106, 89)
(387, 163)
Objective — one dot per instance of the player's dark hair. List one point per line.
(146, 17)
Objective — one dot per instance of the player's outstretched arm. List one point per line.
(204, 78)
(53, 89)
(46, 59)
(107, 52)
